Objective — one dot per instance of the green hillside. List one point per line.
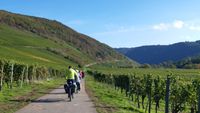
(41, 34)
(42, 41)
(29, 48)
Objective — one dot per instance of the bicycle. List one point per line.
(69, 88)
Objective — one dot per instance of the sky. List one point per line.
(120, 23)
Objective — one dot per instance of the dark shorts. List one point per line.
(78, 85)
(70, 81)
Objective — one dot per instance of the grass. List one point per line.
(108, 100)
(12, 100)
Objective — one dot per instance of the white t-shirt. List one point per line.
(78, 77)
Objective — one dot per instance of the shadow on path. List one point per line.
(54, 93)
(50, 100)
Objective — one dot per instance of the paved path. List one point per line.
(57, 102)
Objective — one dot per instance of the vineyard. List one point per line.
(14, 74)
(169, 93)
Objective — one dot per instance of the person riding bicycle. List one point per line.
(78, 80)
(70, 77)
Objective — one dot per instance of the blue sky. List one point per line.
(120, 23)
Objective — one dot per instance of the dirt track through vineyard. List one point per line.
(57, 102)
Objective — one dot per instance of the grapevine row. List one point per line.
(153, 89)
(17, 74)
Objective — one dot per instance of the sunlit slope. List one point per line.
(27, 47)
(62, 35)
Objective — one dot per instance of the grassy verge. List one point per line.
(108, 100)
(12, 100)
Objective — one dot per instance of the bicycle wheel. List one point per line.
(70, 94)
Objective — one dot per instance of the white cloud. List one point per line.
(178, 24)
(194, 28)
(161, 26)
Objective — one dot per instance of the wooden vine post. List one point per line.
(26, 74)
(198, 98)
(22, 77)
(149, 95)
(11, 76)
(2, 75)
(167, 95)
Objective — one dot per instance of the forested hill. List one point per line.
(160, 53)
(74, 43)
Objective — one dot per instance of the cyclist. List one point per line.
(78, 80)
(70, 80)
